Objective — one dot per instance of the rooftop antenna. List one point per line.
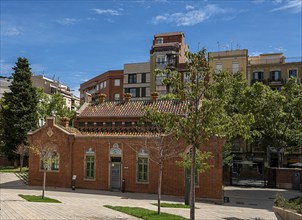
(231, 44)
(238, 46)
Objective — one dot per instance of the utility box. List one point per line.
(73, 181)
(296, 181)
(123, 185)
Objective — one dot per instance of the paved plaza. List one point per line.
(245, 203)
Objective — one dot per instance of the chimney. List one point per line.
(65, 122)
(88, 98)
(183, 97)
(102, 98)
(127, 97)
(154, 96)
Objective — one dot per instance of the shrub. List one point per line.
(294, 203)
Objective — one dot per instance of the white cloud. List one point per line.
(280, 49)
(256, 53)
(9, 29)
(294, 6)
(107, 11)
(68, 21)
(189, 7)
(191, 17)
(6, 68)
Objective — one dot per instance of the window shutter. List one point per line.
(137, 92)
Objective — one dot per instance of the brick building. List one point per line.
(109, 83)
(108, 147)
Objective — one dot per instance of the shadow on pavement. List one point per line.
(258, 198)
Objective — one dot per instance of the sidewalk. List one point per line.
(245, 203)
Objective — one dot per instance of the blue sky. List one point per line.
(74, 41)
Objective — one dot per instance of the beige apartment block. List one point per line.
(274, 69)
(137, 80)
(230, 60)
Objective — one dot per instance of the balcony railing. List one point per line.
(269, 81)
(231, 70)
(276, 81)
(259, 80)
(257, 61)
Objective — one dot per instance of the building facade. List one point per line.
(51, 86)
(137, 80)
(5, 82)
(168, 51)
(274, 70)
(233, 61)
(109, 83)
(108, 151)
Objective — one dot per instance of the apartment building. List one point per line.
(168, 51)
(109, 83)
(5, 82)
(233, 61)
(137, 80)
(51, 86)
(274, 69)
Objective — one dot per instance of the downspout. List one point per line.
(71, 141)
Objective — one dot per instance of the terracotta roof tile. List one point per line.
(131, 108)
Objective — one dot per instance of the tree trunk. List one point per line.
(279, 158)
(21, 162)
(231, 175)
(44, 183)
(159, 187)
(192, 188)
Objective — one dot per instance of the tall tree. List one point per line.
(206, 113)
(163, 145)
(19, 108)
(278, 117)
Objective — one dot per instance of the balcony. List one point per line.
(273, 60)
(231, 70)
(259, 80)
(276, 82)
(259, 61)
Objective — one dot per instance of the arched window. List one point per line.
(142, 166)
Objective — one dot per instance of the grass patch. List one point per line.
(172, 205)
(11, 169)
(145, 214)
(32, 198)
(293, 204)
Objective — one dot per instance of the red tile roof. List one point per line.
(131, 108)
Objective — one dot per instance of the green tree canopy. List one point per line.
(278, 121)
(52, 105)
(206, 111)
(19, 108)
